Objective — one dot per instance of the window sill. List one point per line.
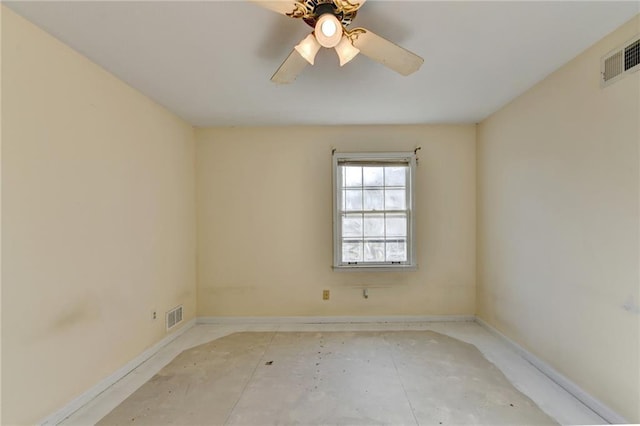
(376, 268)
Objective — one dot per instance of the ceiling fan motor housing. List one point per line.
(323, 8)
(320, 7)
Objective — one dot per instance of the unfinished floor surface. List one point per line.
(368, 377)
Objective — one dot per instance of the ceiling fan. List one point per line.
(329, 20)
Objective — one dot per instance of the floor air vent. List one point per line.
(621, 61)
(174, 317)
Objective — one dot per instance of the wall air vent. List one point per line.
(174, 317)
(632, 55)
(620, 62)
(612, 66)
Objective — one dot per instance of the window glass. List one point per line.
(374, 215)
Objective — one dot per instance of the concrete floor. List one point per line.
(402, 373)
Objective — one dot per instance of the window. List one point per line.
(373, 211)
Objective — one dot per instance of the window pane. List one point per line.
(396, 225)
(373, 176)
(353, 199)
(373, 205)
(397, 251)
(395, 176)
(351, 251)
(374, 225)
(352, 176)
(373, 199)
(395, 199)
(373, 252)
(352, 225)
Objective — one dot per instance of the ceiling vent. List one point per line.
(620, 62)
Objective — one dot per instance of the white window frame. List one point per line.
(374, 157)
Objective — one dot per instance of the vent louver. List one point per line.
(613, 66)
(174, 317)
(620, 61)
(632, 55)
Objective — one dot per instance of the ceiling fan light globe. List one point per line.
(327, 30)
(346, 51)
(308, 48)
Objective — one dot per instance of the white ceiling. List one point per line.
(210, 61)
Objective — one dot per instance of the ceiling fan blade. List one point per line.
(290, 68)
(387, 53)
(290, 8)
(348, 5)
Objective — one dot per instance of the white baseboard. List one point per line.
(593, 403)
(101, 386)
(334, 319)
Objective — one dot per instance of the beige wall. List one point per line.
(265, 223)
(558, 221)
(98, 222)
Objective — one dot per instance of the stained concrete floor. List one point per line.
(551, 398)
(323, 377)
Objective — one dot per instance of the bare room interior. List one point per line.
(320, 212)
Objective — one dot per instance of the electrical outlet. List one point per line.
(325, 294)
(154, 315)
